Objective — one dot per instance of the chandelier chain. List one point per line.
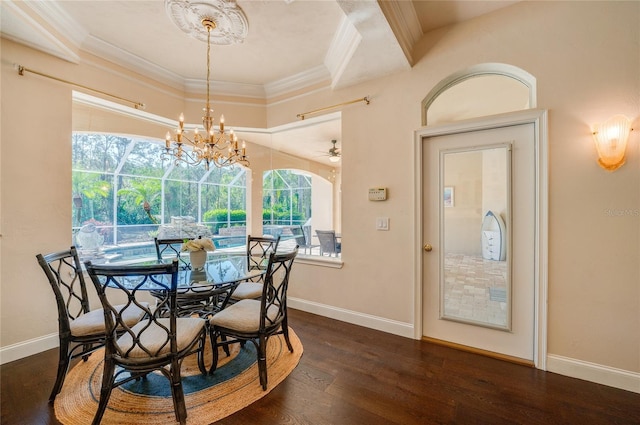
(208, 64)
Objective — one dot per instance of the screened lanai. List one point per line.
(124, 194)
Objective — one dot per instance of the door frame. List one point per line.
(537, 117)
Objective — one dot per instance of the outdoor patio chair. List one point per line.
(328, 242)
(302, 238)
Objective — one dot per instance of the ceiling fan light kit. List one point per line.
(334, 152)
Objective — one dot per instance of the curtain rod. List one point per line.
(21, 70)
(364, 99)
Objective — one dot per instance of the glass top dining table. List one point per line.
(219, 269)
(207, 290)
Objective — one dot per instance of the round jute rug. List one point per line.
(233, 386)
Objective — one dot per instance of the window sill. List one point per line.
(316, 260)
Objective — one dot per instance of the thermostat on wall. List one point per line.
(378, 194)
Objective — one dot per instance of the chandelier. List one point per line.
(215, 146)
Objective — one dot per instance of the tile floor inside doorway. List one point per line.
(475, 289)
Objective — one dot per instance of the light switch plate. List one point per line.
(378, 194)
(382, 223)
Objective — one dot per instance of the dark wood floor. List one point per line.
(353, 375)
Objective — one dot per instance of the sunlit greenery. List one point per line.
(138, 199)
(90, 195)
(121, 185)
(286, 197)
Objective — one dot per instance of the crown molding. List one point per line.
(121, 57)
(404, 23)
(100, 48)
(134, 63)
(344, 44)
(37, 31)
(60, 20)
(225, 88)
(296, 82)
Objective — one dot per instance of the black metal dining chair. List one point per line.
(258, 251)
(80, 329)
(156, 343)
(171, 248)
(257, 320)
(196, 301)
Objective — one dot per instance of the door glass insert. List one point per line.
(475, 209)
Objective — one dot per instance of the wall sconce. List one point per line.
(611, 141)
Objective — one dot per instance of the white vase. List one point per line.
(198, 259)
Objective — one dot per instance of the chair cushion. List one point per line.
(92, 323)
(188, 329)
(247, 291)
(243, 316)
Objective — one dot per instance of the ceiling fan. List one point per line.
(334, 152)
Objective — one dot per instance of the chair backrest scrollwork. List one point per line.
(64, 272)
(171, 248)
(273, 308)
(155, 335)
(258, 250)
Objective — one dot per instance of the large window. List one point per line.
(124, 195)
(295, 205)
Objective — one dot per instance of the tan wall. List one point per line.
(35, 179)
(586, 58)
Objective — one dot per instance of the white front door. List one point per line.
(480, 237)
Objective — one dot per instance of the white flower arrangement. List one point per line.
(203, 244)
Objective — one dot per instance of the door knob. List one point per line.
(427, 247)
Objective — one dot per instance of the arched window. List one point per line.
(481, 90)
(294, 204)
(286, 198)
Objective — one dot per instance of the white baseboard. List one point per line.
(28, 348)
(605, 375)
(593, 372)
(354, 317)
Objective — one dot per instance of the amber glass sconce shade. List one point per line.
(611, 140)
